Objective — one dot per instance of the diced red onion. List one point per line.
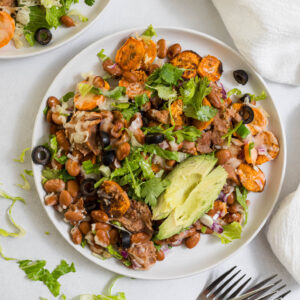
(216, 216)
(224, 94)
(165, 248)
(216, 227)
(221, 196)
(124, 253)
(261, 150)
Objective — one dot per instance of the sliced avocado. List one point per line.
(199, 201)
(183, 178)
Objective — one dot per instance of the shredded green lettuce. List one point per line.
(76, 13)
(22, 156)
(28, 172)
(90, 168)
(234, 91)
(26, 185)
(241, 198)
(231, 232)
(149, 32)
(5, 257)
(84, 88)
(102, 55)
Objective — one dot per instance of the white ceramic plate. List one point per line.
(179, 261)
(61, 35)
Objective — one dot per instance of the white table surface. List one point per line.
(23, 84)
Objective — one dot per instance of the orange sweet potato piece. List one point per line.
(268, 140)
(7, 28)
(210, 67)
(203, 125)
(253, 179)
(188, 60)
(116, 201)
(250, 155)
(131, 55)
(177, 111)
(150, 52)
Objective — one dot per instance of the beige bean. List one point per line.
(52, 101)
(54, 185)
(72, 166)
(160, 255)
(51, 199)
(102, 238)
(84, 227)
(73, 216)
(99, 216)
(173, 50)
(56, 118)
(112, 68)
(76, 235)
(193, 240)
(223, 156)
(162, 48)
(67, 21)
(123, 151)
(73, 188)
(65, 199)
(129, 76)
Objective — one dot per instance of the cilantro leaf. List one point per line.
(155, 149)
(152, 188)
(149, 32)
(231, 232)
(140, 100)
(116, 93)
(189, 133)
(241, 198)
(188, 89)
(89, 2)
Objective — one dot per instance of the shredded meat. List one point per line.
(189, 147)
(143, 255)
(137, 218)
(231, 173)
(215, 95)
(204, 142)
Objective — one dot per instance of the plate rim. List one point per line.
(143, 274)
(70, 39)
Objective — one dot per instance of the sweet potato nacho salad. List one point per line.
(26, 22)
(155, 153)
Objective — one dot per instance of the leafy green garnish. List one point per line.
(102, 56)
(22, 156)
(152, 188)
(149, 32)
(100, 181)
(84, 88)
(116, 93)
(48, 174)
(67, 97)
(231, 232)
(83, 243)
(234, 91)
(26, 185)
(243, 131)
(140, 100)
(89, 2)
(203, 229)
(53, 147)
(241, 198)
(155, 149)
(53, 15)
(78, 14)
(114, 252)
(229, 134)
(90, 168)
(193, 94)
(35, 271)
(260, 97)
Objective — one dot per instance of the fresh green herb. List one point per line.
(241, 198)
(35, 271)
(243, 131)
(48, 173)
(193, 98)
(53, 147)
(89, 2)
(229, 134)
(90, 168)
(234, 91)
(102, 56)
(67, 97)
(203, 229)
(164, 92)
(26, 185)
(251, 146)
(141, 100)
(83, 243)
(260, 97)
(188, 133)
(129, 112)
(231, 232)
(45, 110)
(149, 32)
(99, 182)
(5, 257)
(116, 93)
(155, 149)
(136, 187)
(114, 252)
(28, 172)
(152, 188)
(22, 156)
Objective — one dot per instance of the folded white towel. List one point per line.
(284, 233)
(267, 34)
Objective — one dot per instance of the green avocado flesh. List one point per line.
(195, 201)
(184, 178)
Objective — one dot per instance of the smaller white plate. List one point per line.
(61, 35)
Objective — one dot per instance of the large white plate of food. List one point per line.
(31, 27)
(158, 153)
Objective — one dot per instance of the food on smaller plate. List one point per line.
(154, 154)
(26, 22)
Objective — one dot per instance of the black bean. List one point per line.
(247, 114)
(240, 76)
(125, 237)
(108, 157)
(154, 138)
(41, 155)
(104, 138)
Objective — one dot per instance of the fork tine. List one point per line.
(283, 295)
(267, 296)
(218, 280)
(231, 287)
(239, 289)
(261, 283)
(263, 291)
(219, 289)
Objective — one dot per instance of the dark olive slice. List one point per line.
(87, 187)
(108, 157)
(154, 138)
(43, 36)
(240, 76)
(41, 155)
(247, 114)
(125, 238)
(90, 205)
(104, 138)
(246, 98)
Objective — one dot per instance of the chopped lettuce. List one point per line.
(231, 232)
(234, 91)
(22, 156)
(50, 3)
(241, 198)
(67, 96)
(76, 13)
(90, 168)
(155, 149)
(102, 55)
(149, 32)
(28, 172)
(89, 2)
(5, 257)
(26, 185)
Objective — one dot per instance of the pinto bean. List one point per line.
(51, 199)
(129, 76)
(52, 101)
(62, 140)
(65, 199)
(99, 216)
(113, 236)
(140, 136)
(223, 156)
(54, 185)
(49, 116)
(102, 226)
(116, 131)
(72, 166)
(99, 82)
(73, 216)
(112, 68)
(57, 118)
(76, 235)
(230, 199)
(78, 155)
(162, 48)
(53, 129)
(229, 218)
(73, 188)
(173, 50)
(67, 21)
(84, 227)
(193, 240)
(123, 151)
(140, 237)
(101, 238)
(160, 255)
(152, 68)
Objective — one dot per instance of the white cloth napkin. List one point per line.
(267, 34)
(284, 233)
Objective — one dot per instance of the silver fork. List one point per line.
(220, 288)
